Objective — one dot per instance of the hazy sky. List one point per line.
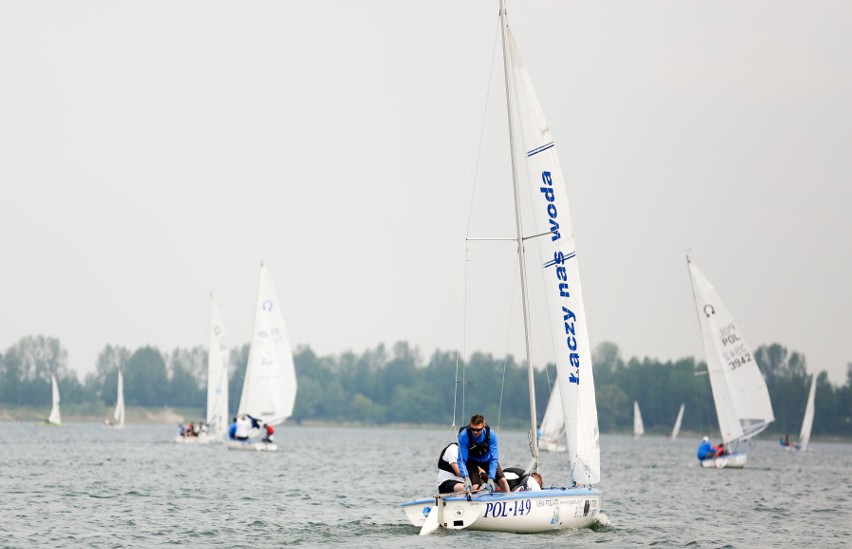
(153, 151)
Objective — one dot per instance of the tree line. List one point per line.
(397, 385)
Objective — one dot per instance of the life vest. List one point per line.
(477, 450)
(443, 464)
(515, 477)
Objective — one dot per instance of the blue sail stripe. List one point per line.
(551, 263)
(540, 149)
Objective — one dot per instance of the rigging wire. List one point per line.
(475, 177)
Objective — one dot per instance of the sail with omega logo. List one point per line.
(269, 389)
(739, 390)
(567, 316)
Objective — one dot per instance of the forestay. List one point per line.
(269, 389)
(739, 390)
(561, 275)
(217, 374)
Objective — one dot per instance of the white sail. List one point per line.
(54, 418)
(638, 424)
(118, 414)
(553, 424)
(676, 429)
(217, 374)
(739, 390)
(808, 421)
(561, 275)
(269, 388)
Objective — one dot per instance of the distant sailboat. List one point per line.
(217, 385)
(638, 424)
(118, 414)
(552, 431)
(54, 418)
(676, 429)
(217, 375)
(807, 422)
(269, 387)
(739, 390)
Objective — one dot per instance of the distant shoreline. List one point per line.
(172, 416)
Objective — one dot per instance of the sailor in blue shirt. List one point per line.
(706, 450)
(478, 448)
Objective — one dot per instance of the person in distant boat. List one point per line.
(270, 434)
(786, 440)
(202, 428)
(706, 450)
(449, 477)
(478, 448)
(243, 428)
(232, 429)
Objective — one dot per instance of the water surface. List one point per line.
(82, 484)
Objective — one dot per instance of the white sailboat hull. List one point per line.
(252, 445)
(200, 439)
(730, 461)
(519, 512)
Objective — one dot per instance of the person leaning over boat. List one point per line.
(243, 428)
(706, 450)
(449, 477)
(478, 448)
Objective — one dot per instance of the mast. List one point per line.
(504, 24)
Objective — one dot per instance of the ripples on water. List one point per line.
(81, 484)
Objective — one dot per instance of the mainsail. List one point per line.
(54, 418)
(808, 421)
(739, 390)
(569, 330)
(676, 428)
(269, 389)
(217, 374)
(638, 424)
(118, 414)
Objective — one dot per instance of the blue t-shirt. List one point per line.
(491, 458)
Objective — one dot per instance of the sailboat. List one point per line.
(676, 428)
(576, 505)
(54, 418)
(552, 430)
(739, 390)
(269, 387)
(217, 384)
(807, 422)
(118, 414)
(638, 424)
